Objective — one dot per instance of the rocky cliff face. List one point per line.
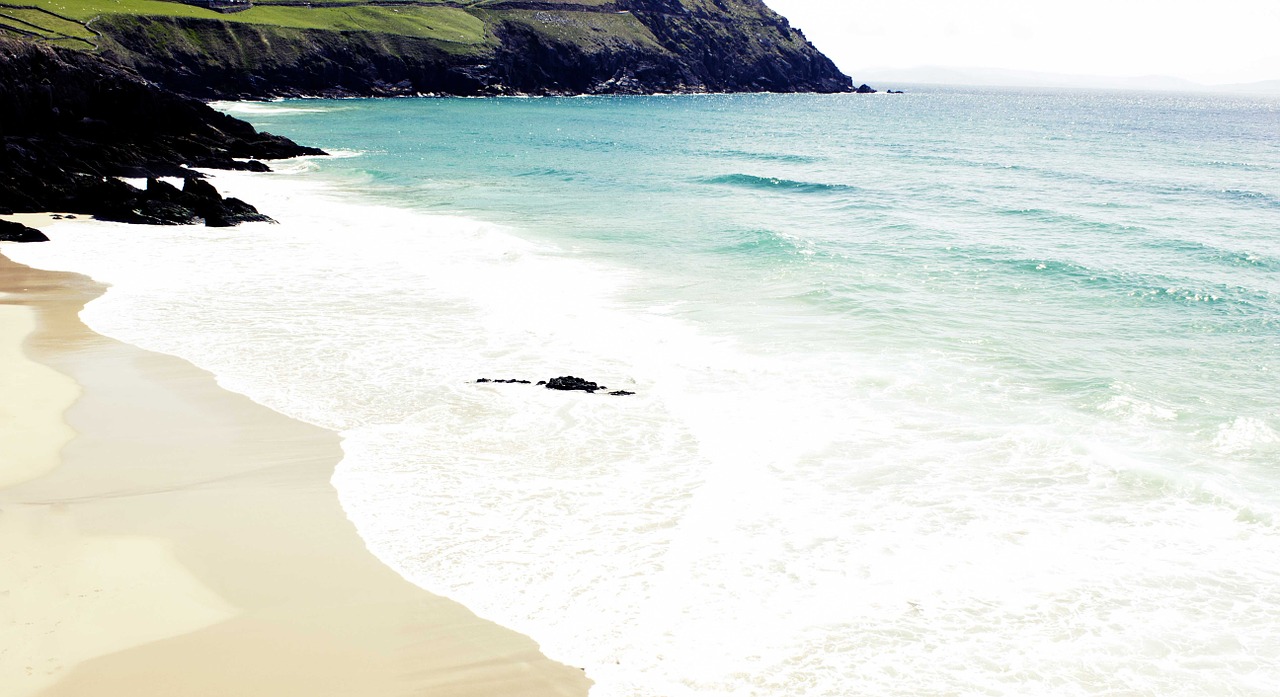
(71, 123)
(549, 47)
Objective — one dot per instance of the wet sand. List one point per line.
(162, 536)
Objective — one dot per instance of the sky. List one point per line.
(1209, 41)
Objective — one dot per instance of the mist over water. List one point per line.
(939, 393)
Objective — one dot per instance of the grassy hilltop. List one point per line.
(379, 47)
(64, 22)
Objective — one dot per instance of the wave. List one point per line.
(1202, 252)
(1232, 164)
(1269, 200)
(562, 174)
(1142, 287)
(769, 242)
(1049, 216)
(789, 158)
(1242, 196)
(267, 108)
(1154, 188)
(750, 181)
(1245, 434)
(1212, 254)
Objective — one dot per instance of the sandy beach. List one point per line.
(162, 536)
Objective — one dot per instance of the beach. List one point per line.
(927, 399)
(160, 535)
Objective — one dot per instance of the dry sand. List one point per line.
(187, 542)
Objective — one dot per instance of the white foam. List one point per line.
(1135, 409)
(260, 109)
(1243, 435)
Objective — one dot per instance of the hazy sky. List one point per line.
(1208, 40)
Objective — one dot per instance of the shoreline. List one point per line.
(189, 541)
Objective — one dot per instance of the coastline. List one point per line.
(884, 440)
(189, 541)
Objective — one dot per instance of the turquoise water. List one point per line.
(1071, 242)
(953, 392)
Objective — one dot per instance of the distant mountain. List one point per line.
(1263, 87)
(1000, 77)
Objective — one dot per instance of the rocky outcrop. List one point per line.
(71, 123)
(162, 203)
(621, 47)
(568, 383)
(738, 46)
(17, 232)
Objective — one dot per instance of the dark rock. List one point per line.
(894, 92)
(570, 382)
(159, 211)
(621, 393)
(17, 232)
(162, 203)
(217, 211)
(865, 89)
(483, 380)
(200, 190)
(161, 190)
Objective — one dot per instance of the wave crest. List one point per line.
(750, 181)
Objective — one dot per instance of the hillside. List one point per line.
(480, 47)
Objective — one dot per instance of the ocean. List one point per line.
(954, 392)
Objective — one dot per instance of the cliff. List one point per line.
(487, 47)
(72, 123)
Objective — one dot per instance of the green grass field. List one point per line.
(40, 23)
(456, 26)
(446, 22)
